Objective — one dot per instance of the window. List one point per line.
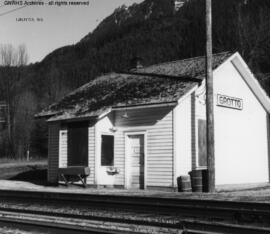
(107, 150)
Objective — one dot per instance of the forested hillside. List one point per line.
(155, 31)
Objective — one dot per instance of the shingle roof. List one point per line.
(116, 90)
(194, 67)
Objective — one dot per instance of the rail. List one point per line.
(177, 213)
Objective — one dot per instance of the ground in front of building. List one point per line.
(243, 192)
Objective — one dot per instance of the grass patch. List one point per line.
(19, 161)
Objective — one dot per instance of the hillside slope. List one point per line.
(156, 32)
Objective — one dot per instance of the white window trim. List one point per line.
(60, 153)
(100, 146)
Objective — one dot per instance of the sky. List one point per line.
(60, 25)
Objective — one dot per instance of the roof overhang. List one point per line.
(109, 110)
(73, 119)
(143, 106)
(251, 81)
(45, 116)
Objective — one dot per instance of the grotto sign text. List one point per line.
(230, 102)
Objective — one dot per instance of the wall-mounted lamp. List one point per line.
(125, 115)
(113, 129)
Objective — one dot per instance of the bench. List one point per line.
(79, 172)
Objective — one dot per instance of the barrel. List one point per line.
(196, 180)
(184, 184)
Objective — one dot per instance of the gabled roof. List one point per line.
(115, 90)
(251, 81)
(193, 67)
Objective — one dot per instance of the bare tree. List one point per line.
(11, 61)
(10, 56)
(24, 123)
(22, 56)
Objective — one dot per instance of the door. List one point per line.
(136, 143)
(78, 144)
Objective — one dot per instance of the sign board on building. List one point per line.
(230, 102)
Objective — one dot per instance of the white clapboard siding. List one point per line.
(91, 154)
(183, 136)
(119, 157)
(157, 122)
(53, 146)
(63, 148)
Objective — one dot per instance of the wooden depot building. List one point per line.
(145, 128)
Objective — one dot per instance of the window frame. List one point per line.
(113, 145)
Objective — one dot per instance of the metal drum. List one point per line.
(196, 180)
(184, 183)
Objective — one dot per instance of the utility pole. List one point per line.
(209, 100)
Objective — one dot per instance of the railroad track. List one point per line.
(176, 215)
(96, 224)
(92, 224)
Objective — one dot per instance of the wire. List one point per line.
(16, 9)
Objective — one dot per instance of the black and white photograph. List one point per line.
(134, 116)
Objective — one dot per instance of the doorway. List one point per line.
(136, 157)
(78, 144)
